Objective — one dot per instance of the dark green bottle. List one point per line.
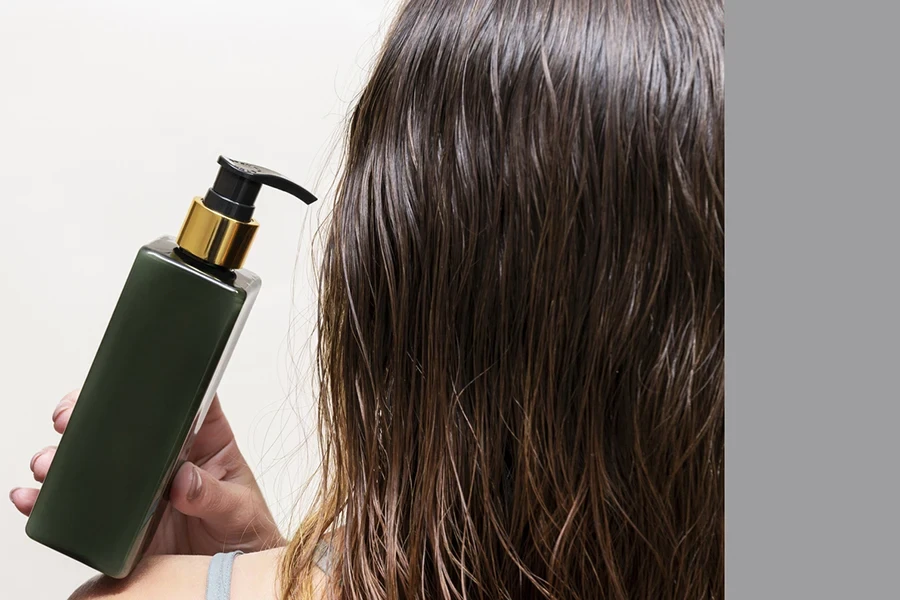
(153, 378)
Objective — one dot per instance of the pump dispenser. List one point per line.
(154, 377)
(219, 228)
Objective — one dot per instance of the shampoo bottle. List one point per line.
(153, 378)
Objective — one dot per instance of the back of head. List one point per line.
(522, 308)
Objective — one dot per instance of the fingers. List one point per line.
(40, 463)
(23, 499)
(235, 512)
(63, 411)
(197, 493)
(214, 435)
(215, 411)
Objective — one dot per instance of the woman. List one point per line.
(521, 326)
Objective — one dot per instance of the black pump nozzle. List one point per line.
(238, 184)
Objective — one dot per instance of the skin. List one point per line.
(215, 505)
(184, 578)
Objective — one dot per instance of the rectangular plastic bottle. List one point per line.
(153, 378)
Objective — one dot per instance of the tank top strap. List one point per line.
(324, 557)
(218, 579)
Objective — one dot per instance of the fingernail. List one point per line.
(34, 458)
(194, 490)
(59, 409)
(12, 493)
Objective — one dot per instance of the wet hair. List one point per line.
(521, 310)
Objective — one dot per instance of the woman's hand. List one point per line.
(215, 504)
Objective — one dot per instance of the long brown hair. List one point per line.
(521, 311)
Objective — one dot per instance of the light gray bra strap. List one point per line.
(218, 581)
(324, 557)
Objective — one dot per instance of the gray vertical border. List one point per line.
(812, 303)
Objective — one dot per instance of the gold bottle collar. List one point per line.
(216, 238)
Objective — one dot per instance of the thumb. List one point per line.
(196, 492)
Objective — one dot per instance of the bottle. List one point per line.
(153, 378)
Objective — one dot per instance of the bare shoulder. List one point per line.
(184, 578)
(175, 577)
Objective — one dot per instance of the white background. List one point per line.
(112, 115)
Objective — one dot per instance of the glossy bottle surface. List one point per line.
(153, 377)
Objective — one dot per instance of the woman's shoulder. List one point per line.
(177, 577)
(255, 575)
